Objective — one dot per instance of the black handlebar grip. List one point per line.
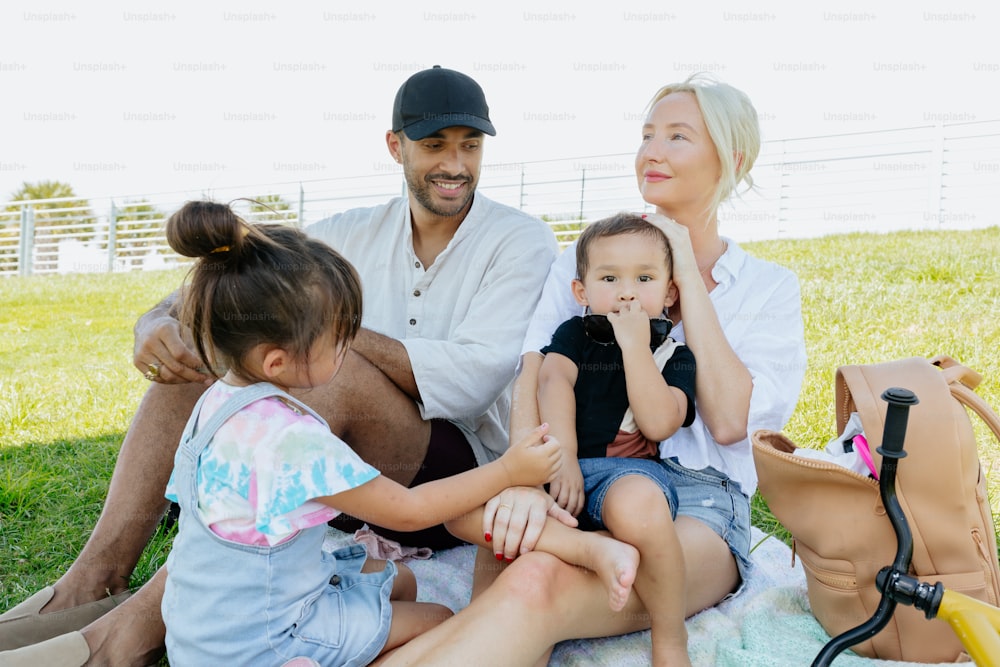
(896, 415)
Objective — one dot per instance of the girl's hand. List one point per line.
(534, 460)
(631, 326)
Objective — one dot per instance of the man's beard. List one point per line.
(422, 192)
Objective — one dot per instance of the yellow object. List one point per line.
(976, 624)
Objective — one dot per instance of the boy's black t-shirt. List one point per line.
(601, 393)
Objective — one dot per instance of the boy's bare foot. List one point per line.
(616, 564)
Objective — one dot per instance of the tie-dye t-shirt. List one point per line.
(256, 477)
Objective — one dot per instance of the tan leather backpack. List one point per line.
(840, 529)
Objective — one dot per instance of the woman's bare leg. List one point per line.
(613, 561)
(542, 600)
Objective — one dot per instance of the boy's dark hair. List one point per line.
(256, 284)
(617, 225)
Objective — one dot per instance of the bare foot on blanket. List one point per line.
(616, 564)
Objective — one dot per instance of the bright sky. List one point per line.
(144, 97)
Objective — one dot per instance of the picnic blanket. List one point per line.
(767, 625)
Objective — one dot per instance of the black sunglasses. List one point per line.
(601, 332)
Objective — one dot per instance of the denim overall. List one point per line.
(235, 604)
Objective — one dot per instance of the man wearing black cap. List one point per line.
(450, 279)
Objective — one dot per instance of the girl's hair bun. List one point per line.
(206, 229)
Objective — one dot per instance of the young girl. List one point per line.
(258, 474)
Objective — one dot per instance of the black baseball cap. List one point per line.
(436, 98)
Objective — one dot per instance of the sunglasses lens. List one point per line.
(658, 331)
(599, 329)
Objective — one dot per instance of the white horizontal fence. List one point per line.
(928, 177)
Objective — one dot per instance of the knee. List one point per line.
(636, 505)
(531, 582)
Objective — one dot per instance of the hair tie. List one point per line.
(244, 232)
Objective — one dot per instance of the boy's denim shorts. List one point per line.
(706, 495)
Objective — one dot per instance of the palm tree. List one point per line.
(272, 208)
(58, 214)
(59, 204)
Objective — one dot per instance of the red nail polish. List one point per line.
(643, 216)
(509, 560)
(488, 537)
(499, 556)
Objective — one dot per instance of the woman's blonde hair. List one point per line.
(732, 124)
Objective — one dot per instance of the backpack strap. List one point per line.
(962, 382)
(854, 393)
(956, 372)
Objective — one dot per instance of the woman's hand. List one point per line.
(685, 265)
(164, 351)
(515, 518)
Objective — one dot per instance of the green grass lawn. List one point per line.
(68, 387)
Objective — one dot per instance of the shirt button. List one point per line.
(335, 580)
(416, 264)
(412, 321)
(416, 292)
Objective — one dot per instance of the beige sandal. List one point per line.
(69, 650)
(23, 625)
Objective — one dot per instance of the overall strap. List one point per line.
(197, 436)
(201, 434)
(237, 402)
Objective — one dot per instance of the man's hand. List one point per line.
(515, 518)
(164, 351)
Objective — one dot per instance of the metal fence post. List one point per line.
(26, 246)
(782, 185)
(521, 195)
(112, 237)
(302, 207)
(937, 186)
